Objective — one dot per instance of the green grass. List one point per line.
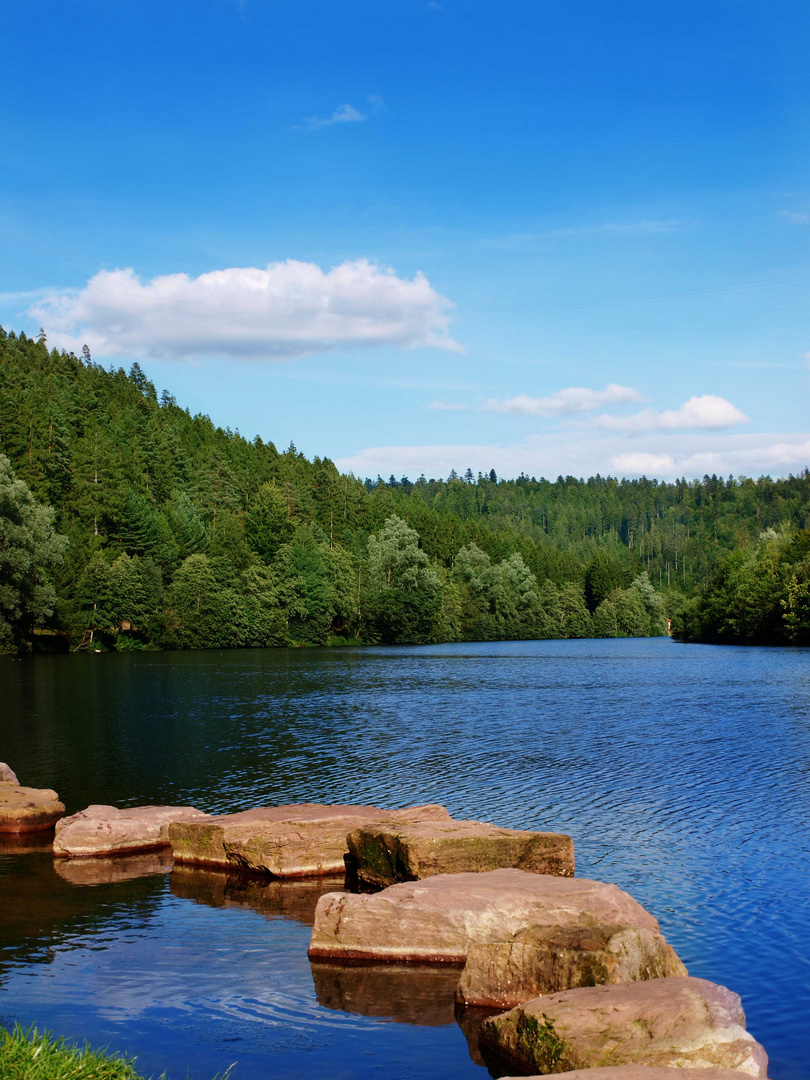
(33, 1055)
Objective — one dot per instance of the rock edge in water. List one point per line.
(7, 774)
(24, 809)
(681, 1022)
(442, 918)
(101, 831)
(297, 840)
(385, 853)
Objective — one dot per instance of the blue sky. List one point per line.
(542, 237)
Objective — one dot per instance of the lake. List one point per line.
(682, 772)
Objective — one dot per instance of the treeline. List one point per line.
(182, 534)
(756, 597)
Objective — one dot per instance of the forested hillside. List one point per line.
(181, 534)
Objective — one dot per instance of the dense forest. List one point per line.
(126, 522)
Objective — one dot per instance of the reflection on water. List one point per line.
(107, 871)
(294, 899)
(408, 994)
(681, 771)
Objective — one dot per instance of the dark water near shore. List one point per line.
(683, 773)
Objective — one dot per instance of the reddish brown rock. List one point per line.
(644, 1072)
(545, 959)
(24, 809)
(440, 918)
(681, 1023)
(384, 853)
(298, 840)
(7, 774)
(106, 830)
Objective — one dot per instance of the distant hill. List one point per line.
(183, 534)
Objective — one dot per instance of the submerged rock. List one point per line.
(439, 919)
(7, 774)
(24, 809)
(106, 830)
(298, 840)
(384, 853)
(681, 1022)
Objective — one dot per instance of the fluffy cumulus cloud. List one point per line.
(667, 457)
(567, 402)
(285, 310)
(706, 412)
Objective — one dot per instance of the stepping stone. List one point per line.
(7, 774)
(645, 1072)
(383, 853)
(298, 840)
(106, 830)
(544, 959)
(25, 809)
(440, 919)
(680, 1022)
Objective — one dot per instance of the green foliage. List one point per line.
(30, 548)
(225, 541)
(269, 522)
(758, 597)
(29, 1055)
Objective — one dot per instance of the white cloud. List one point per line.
(447, 406)
(573, 399)
(344, 114)
(667, 457)
(285, 310)
(795, 217)
(706, 412)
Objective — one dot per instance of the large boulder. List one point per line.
(24, 809)
(384, 853)
(681, 1022)
(7, 774)
(542, 959)
(106, 830)
(298, 840)
(440, 919)
(645, 1072)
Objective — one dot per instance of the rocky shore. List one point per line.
(415, 905)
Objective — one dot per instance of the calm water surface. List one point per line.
(681, 771)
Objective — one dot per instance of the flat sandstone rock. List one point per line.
(545, 959)
(645, 1072)
(439, 919)
(297, 840)
(683, 1022)
(7, 774)
(24, 809)
(106, 830)
(384, 853)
